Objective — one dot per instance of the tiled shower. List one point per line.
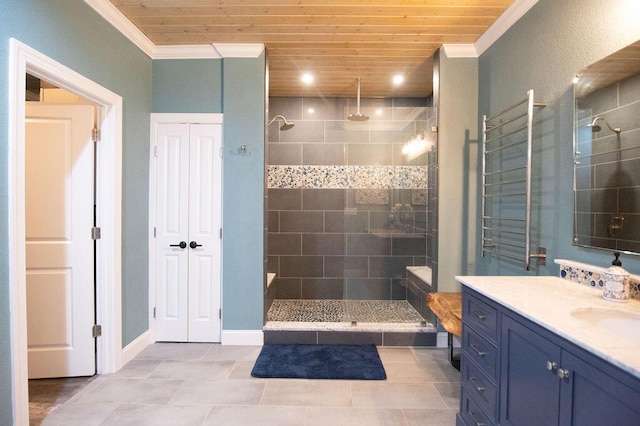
(351, 204)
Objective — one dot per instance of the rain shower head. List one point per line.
(358, 116)
(285, 125)
(595, 128)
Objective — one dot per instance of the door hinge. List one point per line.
(154, 312)
(221, 152)
(96, 330)
(220, 233)
(155, 151)
(96, 134)
(95, 233)
(154, 232)
(219, 313)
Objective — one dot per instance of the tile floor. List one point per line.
(209, 384)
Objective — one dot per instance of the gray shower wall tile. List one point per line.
(313, 131)
(346, 132)
(323, 288)
(369, 154)
(629, 200)
(288, 288)
(408, 245)
(368, 289)
(290, 108)
(301, 221)
(349, 221)
(323, 244)
(273, 221)
(368, 244)
(346, 266)
(389, 266)
(280, 243)
(624, 173)
(323, 199)
(629, 89)
(324, 108)
(324, 154)
(284, 199)
(285, 154)
(301, 266)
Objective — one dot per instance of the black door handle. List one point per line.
(193, 244)
(182, 245)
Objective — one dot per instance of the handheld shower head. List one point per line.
(596, 128)
(285, 125)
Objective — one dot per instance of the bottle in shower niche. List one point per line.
(616, 282)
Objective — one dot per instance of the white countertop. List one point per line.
(548, 301)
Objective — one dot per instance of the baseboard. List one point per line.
(243, 337)
(442, 340)
(130, 351)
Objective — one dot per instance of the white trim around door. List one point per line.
(158, 118)
(23, 60)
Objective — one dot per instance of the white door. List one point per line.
(188, 220)
(59, 247)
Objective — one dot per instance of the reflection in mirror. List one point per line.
(607, 153)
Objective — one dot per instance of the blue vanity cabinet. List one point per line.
(546, 380)
(529, 386)
(537, 377)
(478, 361)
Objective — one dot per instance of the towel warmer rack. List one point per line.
(506, 182)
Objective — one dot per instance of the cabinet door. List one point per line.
(529, 392)
(591, 396)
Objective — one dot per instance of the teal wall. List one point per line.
(71, 33)
(187, 86)
(243, 189)
(543, 51)
(457, 158)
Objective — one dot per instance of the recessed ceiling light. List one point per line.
(307, 78)
(398, 79)
(311, 110)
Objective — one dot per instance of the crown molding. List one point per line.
(503, 23)
(197, 51)
(224, 50)
(460, 50)
(113, 16)
(236, 50)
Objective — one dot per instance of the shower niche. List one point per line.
(350, 207)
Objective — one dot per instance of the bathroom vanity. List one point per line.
(545, 351)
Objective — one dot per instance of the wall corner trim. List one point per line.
(460, 50)
(237, 50)
(243, 337)
(516, 11)
(186, 52)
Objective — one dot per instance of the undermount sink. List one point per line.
(612, 321)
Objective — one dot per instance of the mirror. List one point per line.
(607, 153)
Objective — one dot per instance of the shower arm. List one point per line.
(275, 118)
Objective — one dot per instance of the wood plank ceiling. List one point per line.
(335, 40)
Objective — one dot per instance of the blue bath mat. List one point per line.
(348, 362)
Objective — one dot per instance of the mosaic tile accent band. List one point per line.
(347, 177)
(593, 276)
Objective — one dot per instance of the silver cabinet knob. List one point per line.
(551, 365)
(563, 373)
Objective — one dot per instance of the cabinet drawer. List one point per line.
(471, 413)
(480, 316)
(482, 352)
(480, 387)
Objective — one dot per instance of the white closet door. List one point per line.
(204, 230)
(172, 232)
(189, 212)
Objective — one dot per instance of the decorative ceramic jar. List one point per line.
(616, 282)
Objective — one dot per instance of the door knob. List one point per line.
(182, 245)
(193, 244)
